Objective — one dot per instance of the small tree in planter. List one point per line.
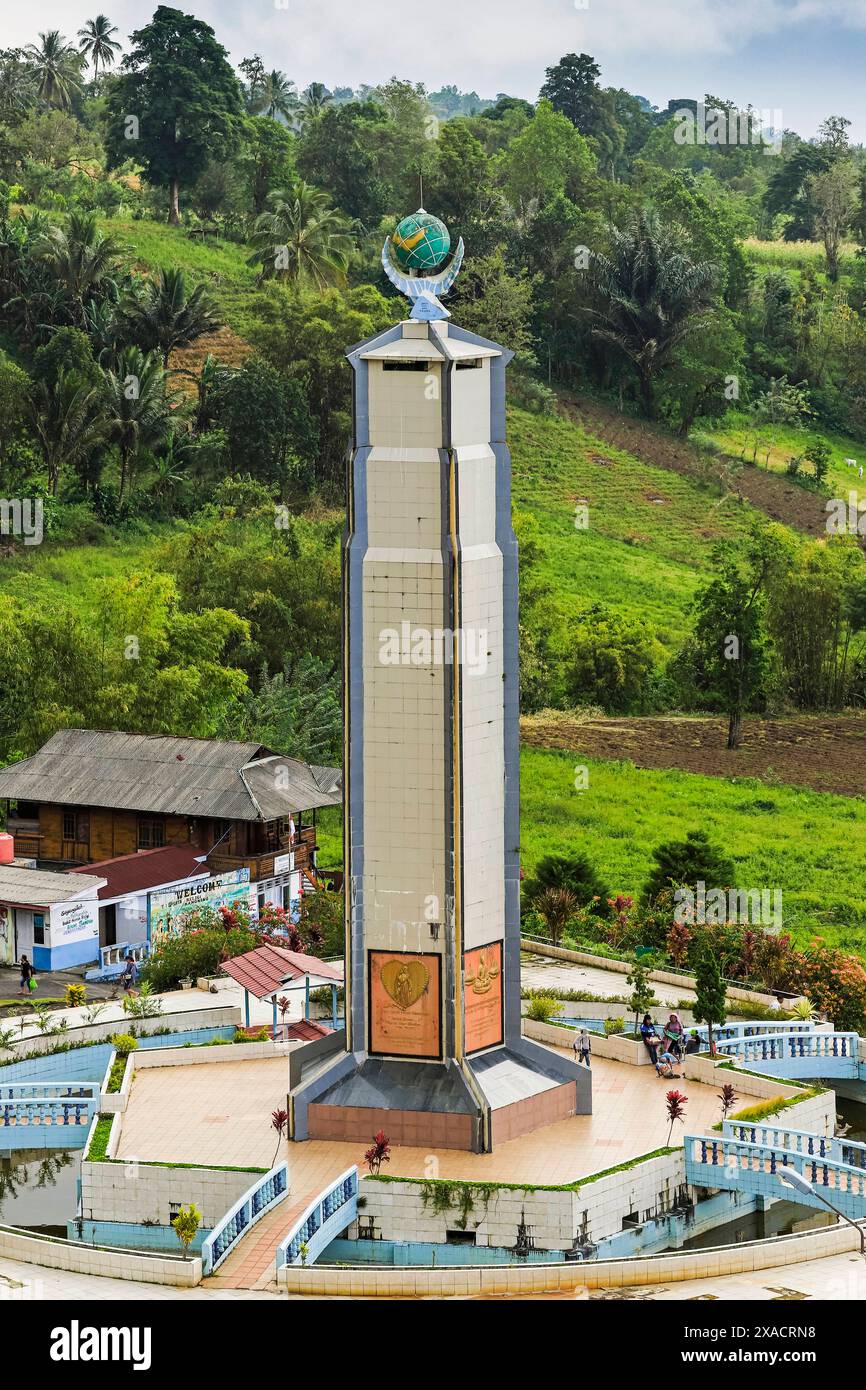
(378, 1153)
(279, 1122)
(186, 1224)
(642, 993)
(709, 1005)
(675, 1104)
(556, 906)
(728, 1097)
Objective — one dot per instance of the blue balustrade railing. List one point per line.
(731, 1164)
(841, 1150)
(331, 1212)
(797, 1054)
(260, 1198)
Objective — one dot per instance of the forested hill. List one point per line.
(688, 390)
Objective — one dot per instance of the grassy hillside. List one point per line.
(778, 836)
(650, 530)
(777, 443)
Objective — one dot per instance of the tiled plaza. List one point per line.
(220, 1113)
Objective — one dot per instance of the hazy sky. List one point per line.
(802, 57)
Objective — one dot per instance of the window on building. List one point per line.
(38, 929)
(468, 363)
(76, 826)
(415, 366)
(151, 833)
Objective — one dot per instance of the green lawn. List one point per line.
(804, 843)
(643, 557)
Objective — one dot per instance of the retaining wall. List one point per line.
(318, 1281)
(85, 1259)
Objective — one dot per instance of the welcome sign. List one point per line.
(170, 906)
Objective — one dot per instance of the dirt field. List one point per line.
(825, 754)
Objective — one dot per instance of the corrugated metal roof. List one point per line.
(42, 888)
(169, 776)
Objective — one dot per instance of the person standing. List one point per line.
(130, 974)
(582, 1046)
(26, 975)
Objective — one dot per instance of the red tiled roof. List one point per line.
(306, 1029)
(268, 967)
(149, 868)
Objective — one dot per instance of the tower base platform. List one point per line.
(485, 1101)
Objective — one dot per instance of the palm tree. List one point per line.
(165, 315)
(68, 420)
(651, 295)
(96, 43)
(302, 238)
(136, 408)
(82, 259)
(277, 96)
(57, 66)
(17, 89)
(313, 101)
(170, 466)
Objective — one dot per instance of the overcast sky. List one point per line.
(802, 57)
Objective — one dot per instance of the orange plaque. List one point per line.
(405, 1004)
(482, 997)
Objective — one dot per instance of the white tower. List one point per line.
(433, 1046)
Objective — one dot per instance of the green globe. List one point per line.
(421, 242)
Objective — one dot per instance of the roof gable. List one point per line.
(225, 780)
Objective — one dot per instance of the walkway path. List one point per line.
(538, 973)
(841, 1278)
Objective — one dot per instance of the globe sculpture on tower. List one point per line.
(412, 258)
(433, 1051)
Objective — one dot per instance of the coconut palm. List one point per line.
(313, 101)
(165, 315)
(17, 88)
(57, 67)
(136, 408)
(277, 96)
(82, 259)
(96, 43)
(650, 296)
(68, 421)
(302, 238)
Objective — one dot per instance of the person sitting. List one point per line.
(650, 1037)
(693, 1043)
(665, 1063)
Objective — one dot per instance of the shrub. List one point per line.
(123, 1043)
(613, 1025)
(688, 862)
(576, 874)
(543, 1008)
